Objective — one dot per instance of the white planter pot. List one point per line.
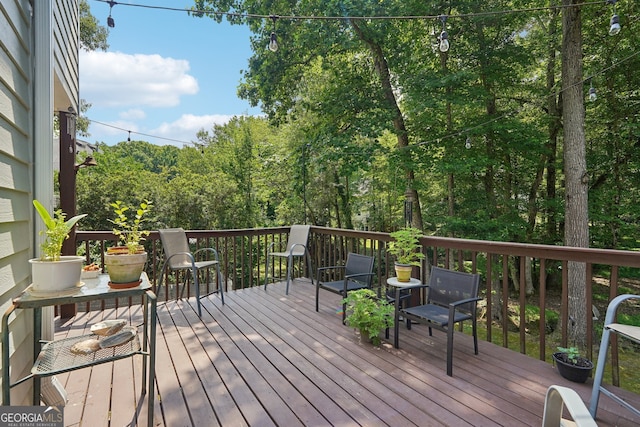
(53, 276)
(125, 268)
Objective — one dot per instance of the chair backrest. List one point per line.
(298, 235)
(447, 286)
(174, 241)
(359, 264)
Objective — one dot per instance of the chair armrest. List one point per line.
(215, 253)
(187, 254)
(613, 307)
(420, 286)
(351, 276)
(332, 267)
(464, 301)
(558, 397)
(323, 270)
(293, 247)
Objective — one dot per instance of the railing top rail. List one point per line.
(629, 258)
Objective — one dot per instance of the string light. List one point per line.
(592, 94)
(273, 42)
(341, 18)
(467, 143)
(614, 23)
(110, 22)
(138, 133)
(444, 37)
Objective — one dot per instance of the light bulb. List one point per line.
(615, 25)
(444, 41)
(273, 43)
(467, 143)
(592, 94)
(110, 22)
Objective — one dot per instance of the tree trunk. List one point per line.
(554, 129)
(576, 231)
(402, 135)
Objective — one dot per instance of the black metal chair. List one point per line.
(296, 247)
(178, 257)
(452, 298)
(357, 273)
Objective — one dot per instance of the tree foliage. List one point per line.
(93, 36)
(328, 152)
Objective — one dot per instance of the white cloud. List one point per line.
(133, 114)
(187, 126)
(115, 79)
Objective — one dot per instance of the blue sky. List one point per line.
(165, 74)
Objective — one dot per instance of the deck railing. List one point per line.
(501, 264)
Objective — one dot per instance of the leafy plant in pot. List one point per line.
(571, 365)
(126, 262)
(53, 272)
(368, 313)
(405, 246)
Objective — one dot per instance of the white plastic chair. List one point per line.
(556, 400)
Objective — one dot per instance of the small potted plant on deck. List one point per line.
(54, 272)
(571, 365)
(368, 314)
(405, 246)
(126, 262)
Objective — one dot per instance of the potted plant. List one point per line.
(126, 262)
(571, 365)
(368, 314)
(405, 246)
(65, 269)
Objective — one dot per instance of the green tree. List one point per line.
(93, 36)
(274, 81)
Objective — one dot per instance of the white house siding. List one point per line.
(36, 68)
(66, 55)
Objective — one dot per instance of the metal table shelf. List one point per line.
(55, 356)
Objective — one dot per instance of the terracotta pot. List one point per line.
(403, 272)
(53, 276)
(125, 268)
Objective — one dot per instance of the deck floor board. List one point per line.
(267, 359)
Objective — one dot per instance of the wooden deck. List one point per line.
(267, 359)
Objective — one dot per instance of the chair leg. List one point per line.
(185, 285)
(344, 313)
(266, 273)
(220, 283)
(475, 335)
(597, 379)
(450, 329)
(196, 283)
(289, 268)
(309, 265)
